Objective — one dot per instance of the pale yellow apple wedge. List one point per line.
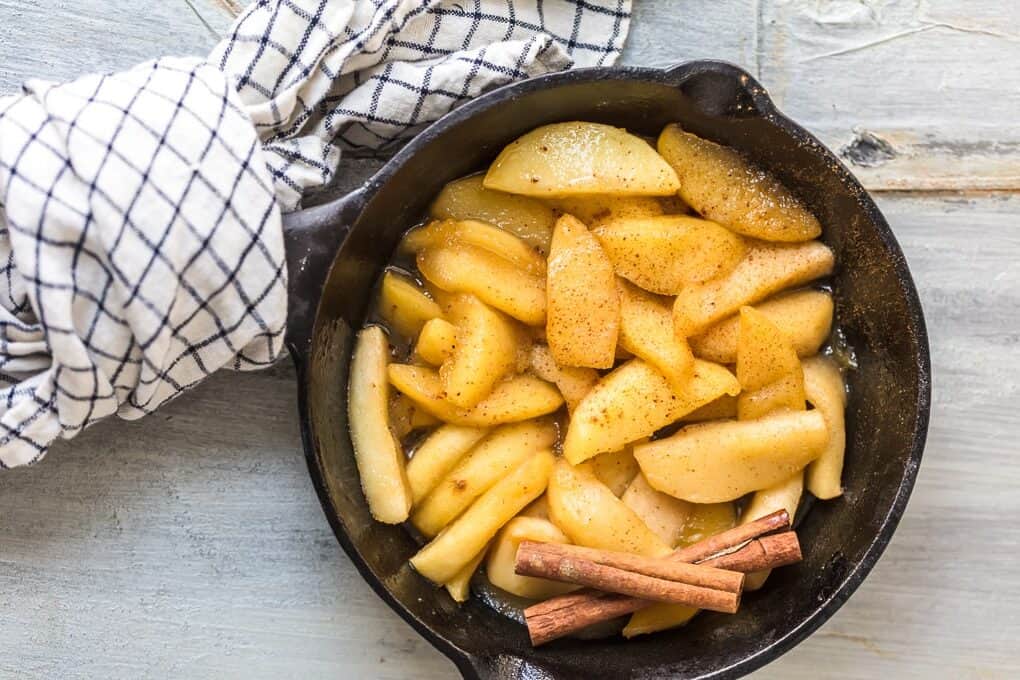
(703, 520)
(503, 556)
(573, 382)
(586, 510)
(768, 368)
(646, 331)
(784, 495)
(784, 394)
(462, 268)
(663, 254)
(583, 303)
(721, 185)
(636, 400)
(567, 159)
(826, 392)
(489, 461)
(466, 199)
(404, 305)
(513, 400)
(436, 342)
(484, 353)
(615, 469)
(461, 541)
(765, 270)
(722, 461)
(475, 233)
(459, 587)
(406, 416)
(437, 455)
(723, 407)
(805, 316)
(764, 353)
(663, 514)
(377, 454)
(595, 209)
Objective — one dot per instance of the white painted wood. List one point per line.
(937, 79)
(60, 39)
(190, 544)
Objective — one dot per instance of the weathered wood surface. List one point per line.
(920, 94)
(190, 544)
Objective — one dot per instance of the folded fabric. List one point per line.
(140, 212)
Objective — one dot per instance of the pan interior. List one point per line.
(875, 306)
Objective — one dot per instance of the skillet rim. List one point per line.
(299, 342)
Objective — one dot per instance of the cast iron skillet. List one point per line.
(336, 252)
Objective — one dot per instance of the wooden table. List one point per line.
(190, 544)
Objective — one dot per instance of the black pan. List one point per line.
(336, 252)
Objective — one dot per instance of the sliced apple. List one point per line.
(503, 557)
(584, 305)
(768, 368)
(721, 185)
(463, 268)
(459, 587)
(404, 306)
(437, 455)
(573, 382)
(474, 233)
(590, 515)
(615, 469)
(484, 353)
(436, 342)
(634, 401)
(703, 520)
(513, 400)
(567, 159)
(377, 454)
(785, 394)
(598, 208)
(663, 514)
(827, 393)
(804, 316)
(785, 495)
(452, 550)
(663, 254)
(646, 330)
(466, 199)
(723, 407)
(765, 270)
(722, 461)
(488, 462)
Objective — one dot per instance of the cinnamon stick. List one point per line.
(768, 552)
(733, 538)
(664, 568)
(551, 561)
(559, 616)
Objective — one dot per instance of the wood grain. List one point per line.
(58, 40)
(926, 78)
(190, 543)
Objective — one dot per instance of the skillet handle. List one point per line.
(722, 89)
(311, 239)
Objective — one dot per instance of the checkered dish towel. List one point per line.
(140, 237)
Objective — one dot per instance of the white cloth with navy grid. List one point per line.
(140, 212)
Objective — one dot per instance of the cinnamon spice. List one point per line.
(664, 568)
(745, 548)
(560, 563)
(733, 538)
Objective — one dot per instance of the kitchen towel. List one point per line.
(140, 212)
